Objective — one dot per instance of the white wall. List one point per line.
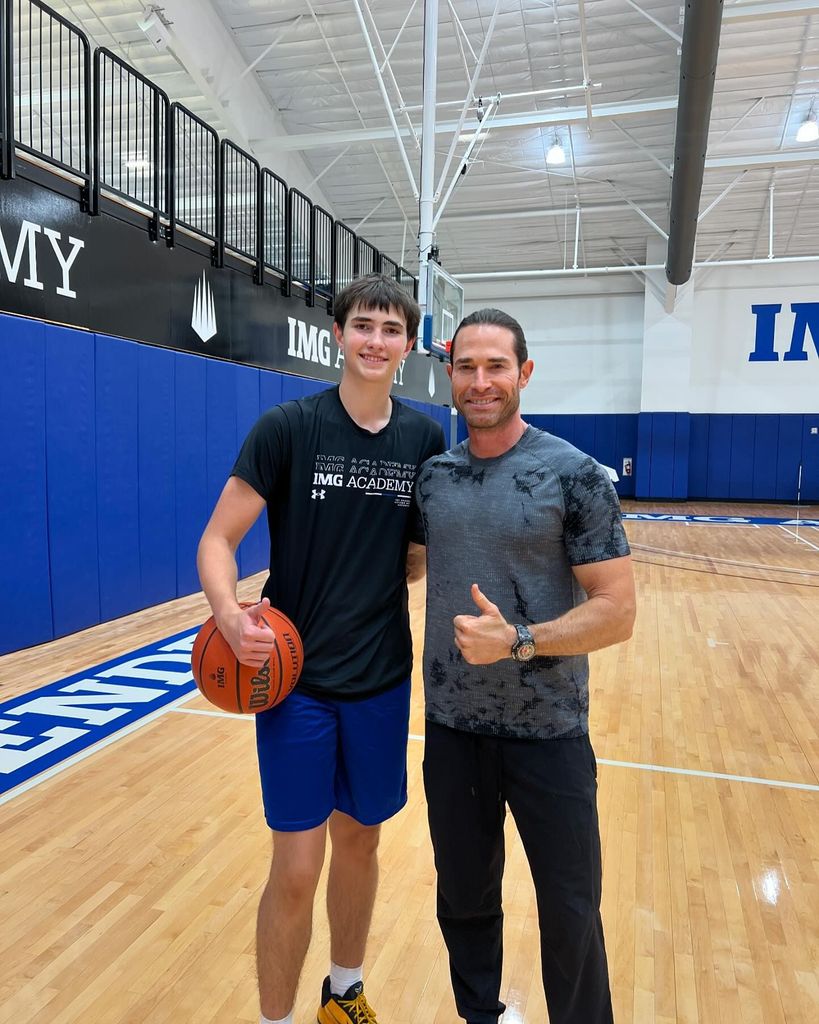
(722, 378)
(585, 337)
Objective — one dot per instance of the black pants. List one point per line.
(551, 789)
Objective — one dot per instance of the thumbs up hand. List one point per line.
(485, 638)
(249, 636)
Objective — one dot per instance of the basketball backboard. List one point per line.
(444, 310)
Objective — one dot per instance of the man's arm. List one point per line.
(606, 618)
(236, 511)
(416, 562)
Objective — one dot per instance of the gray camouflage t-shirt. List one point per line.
(515, 525)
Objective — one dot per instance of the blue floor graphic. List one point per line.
(669, 517)
(56, 722)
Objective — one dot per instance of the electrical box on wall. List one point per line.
(626, 467)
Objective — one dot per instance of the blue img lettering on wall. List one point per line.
(43, 727)
(806, 322)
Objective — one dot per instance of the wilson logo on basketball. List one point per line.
(260, 687)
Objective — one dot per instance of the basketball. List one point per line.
(243, 689)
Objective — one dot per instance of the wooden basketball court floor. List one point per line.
(129, 881)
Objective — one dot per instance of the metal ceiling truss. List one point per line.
(362, 127)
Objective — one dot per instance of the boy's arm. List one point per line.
(236, 511)
(416, 562)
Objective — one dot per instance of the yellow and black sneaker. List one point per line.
(351, 1008)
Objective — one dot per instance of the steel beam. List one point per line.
(469, 97)
(426, 204)
(533, 119)
(656, 21)
(744, 160)
(606, 271)
(387, 105)
(752, 12)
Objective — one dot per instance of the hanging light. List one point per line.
(556, 155)
(808, 131)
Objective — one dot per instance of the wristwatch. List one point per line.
(523, 649)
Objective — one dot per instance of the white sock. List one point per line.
(285, 1020)
(341, 978)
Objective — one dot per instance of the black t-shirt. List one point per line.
(340, 511)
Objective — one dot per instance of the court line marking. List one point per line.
(801, 539)
(808, 787)
(176, 706)
(777, 783)
(213, 714)
(81, 755)
(697, 773)
(694, 556)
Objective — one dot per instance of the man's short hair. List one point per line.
(497, 318)
(377, 291)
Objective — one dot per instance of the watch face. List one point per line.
(525, 651)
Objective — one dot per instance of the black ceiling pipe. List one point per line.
(698, 66)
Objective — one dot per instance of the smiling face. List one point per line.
(486, 377)
(373, 342)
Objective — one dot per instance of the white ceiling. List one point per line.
(309, 61)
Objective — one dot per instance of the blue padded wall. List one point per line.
(220, 427)
(117, 390)
(698, 456)
(748, 457)
(25, 594)
(157, 476)
(810, 457)
(253, 554)
(788, 457)
(70, 395)
(609, 438)
(663, 450)
(741, 474)
(270, 389)
(191, 467)
(118, 452)
(766, 443)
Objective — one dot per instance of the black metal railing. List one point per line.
(49, 87)
(301, 239)
(390, 268)
(276, 225)
(239, 205)
(368, 258)
(6, 92)
(130, 143)
(194, 163)
(105, 125)
(345, 256)
(322, 252)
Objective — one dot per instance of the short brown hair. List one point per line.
(377, 291)
(496, 318)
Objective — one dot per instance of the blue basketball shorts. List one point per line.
(318, 755)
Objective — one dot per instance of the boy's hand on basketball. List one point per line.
(486, 638)
(251, 640)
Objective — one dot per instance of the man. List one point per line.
(335, 472)
(527, 530)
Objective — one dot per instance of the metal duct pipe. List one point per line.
(698, 65)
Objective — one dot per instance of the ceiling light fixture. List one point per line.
(808, 131)
(556, 155)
